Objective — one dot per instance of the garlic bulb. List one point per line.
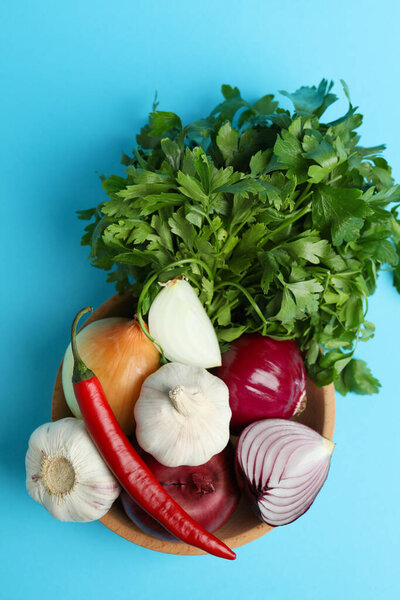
(121, 356)
(182, 415)
(66, 474)
(181, 326)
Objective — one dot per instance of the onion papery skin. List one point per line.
(208, 493)
(265, 377)
(121, 356)
(281, 466)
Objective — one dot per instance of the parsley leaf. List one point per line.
(357, 377)
(280, 220)
(312, 100)
(341, 209)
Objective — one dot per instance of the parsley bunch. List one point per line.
(280, 220)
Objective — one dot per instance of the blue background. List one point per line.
(78, 79)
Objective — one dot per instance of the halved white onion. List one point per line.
(181, 326)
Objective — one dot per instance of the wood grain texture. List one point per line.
(243, 527)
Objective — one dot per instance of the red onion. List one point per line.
(208, 493)
(282, 465)
(265, 377)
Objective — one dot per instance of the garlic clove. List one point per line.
(181, 326)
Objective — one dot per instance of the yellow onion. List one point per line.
(121, 356)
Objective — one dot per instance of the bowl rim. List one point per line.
(117, 521)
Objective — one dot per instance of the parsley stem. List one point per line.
(217, 245)
(177, 263)
(286, 223)
(210, 223)
(143, 327)
(327, 282)
(246, 293)
(306, 193)
(334, 179)
(184, 261)
(245, 222)
(233, 235)
(230, 305)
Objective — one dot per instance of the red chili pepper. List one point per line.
(126, 464)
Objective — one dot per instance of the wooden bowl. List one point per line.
(243, 526)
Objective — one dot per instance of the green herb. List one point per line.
(280, 220)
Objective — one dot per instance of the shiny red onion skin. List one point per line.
(143, 520)
(211, 507)
(266, 379)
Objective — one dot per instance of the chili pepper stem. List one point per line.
(81, 371)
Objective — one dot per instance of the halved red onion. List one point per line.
(282, 466)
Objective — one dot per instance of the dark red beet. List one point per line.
(209, 493)
(265, 377)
